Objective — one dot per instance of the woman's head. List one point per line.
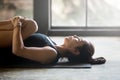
(79, 50)
(86, 52)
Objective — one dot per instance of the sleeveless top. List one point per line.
(41, 40)
(35, 40)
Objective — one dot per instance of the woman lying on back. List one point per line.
(40, 48)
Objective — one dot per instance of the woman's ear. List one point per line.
(99, 60)
(76, 52)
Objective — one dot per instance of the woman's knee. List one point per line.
(30, 24)
(28, 27)
(27, 24)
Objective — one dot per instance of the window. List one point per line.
(80, 17)
(103, 13)
(85, 13)
(10, 8)
(68, 13)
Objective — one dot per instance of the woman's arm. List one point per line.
(44, 55)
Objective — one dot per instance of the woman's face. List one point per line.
(72, 42)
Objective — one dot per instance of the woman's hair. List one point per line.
(85, 56)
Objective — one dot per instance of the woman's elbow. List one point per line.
(49, 59)
(17, 51)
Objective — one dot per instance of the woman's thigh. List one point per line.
(5, 33)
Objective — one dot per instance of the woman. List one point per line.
(40, 48)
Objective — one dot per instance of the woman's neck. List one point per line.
(61, 50)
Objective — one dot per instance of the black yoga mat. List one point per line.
(60, 64)
(12, 61)
(63, 65)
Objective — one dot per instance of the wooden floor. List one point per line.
(109, 47)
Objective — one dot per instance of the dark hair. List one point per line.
(84, 56)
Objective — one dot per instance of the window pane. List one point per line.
(10, 8)
(103, 13)
(68, 13)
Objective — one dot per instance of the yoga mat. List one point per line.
(17, 62)
(59, 64)
(65, 65)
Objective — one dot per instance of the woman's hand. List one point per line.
(17, 21)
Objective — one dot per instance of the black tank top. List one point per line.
(35, 40)
(41, 40)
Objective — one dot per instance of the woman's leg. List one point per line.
(6, 25)
(29, 27)
(6, 31)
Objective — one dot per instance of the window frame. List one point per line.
(42, 14)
